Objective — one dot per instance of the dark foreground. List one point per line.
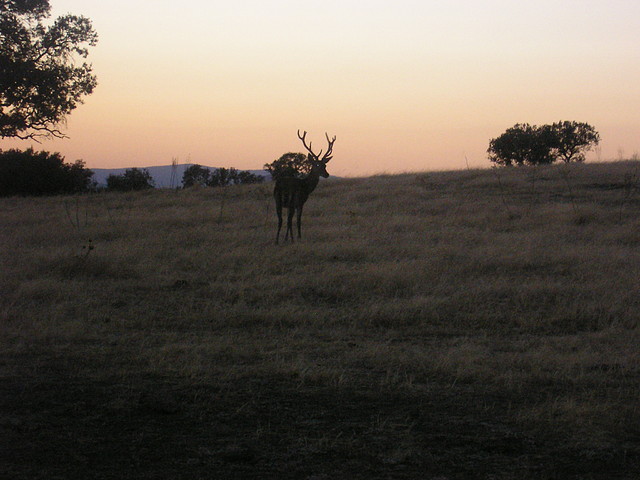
(63, 427)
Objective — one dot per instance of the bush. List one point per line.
(131, 179)
(41, 173)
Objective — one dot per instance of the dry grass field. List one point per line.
(452, 325)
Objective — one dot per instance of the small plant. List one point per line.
(503, 191)
(630, 185)
(86, 249)
(532, 178)
(223, 199)
(78, 216)
(263, 195)
(77, 262)
(565, 173)
(79, 220)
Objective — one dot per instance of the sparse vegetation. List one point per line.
(418, 331)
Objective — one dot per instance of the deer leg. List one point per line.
(300, 222)
(292, 210)
(279, 213)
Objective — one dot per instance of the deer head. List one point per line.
(318, 163)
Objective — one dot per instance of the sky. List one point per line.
(403, 85)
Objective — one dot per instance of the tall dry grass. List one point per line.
(520, 285)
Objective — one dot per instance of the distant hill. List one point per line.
(164, 176)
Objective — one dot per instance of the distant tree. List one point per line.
(221, 177)
(289, 165)
(132, 179)
(246, 177)
(41, 173)
(41, 79)
(573, 139)
(523, 144)
(196, 175)
(80, 177)
(218, 177)
(232, 176)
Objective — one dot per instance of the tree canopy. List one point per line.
(573, 139)
(41, 77)
(524, 144)
(289, 165)
(131, 179)
(195, 175)
(41, 173)
(217, 177)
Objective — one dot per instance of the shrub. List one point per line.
(41, 173)
(131, 179)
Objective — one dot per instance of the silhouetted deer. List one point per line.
(292, 193)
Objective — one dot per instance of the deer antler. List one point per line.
(327, 156)
(308, 147)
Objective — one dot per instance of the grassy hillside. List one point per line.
(474, 324)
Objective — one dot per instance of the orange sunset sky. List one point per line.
(404, 85)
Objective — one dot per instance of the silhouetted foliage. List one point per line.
(221, 177)
(524, 144)
(41, 173)
(573, 139)
(289, 165)
(131, 179)
(196, 175)
(217, 177)
(245, 177)
(41, 80)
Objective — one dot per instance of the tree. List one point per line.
(131, 179)
(523, 144)
(289, 165)
(573, 139)
(245, 177)
(196, 175)
(218, 177)
(41, 173)
(41, 79)
(221, 177)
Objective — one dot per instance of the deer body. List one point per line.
(292, 193)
